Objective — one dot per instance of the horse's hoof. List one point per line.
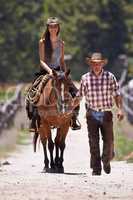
(61, 170)
(45, 170)
(52, 170)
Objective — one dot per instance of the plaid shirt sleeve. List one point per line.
(81, 90)
(115, 86)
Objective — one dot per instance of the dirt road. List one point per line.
(23, 178)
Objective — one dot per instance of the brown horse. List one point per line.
(55, 108)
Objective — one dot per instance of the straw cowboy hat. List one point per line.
(53, 21)
(96, 57)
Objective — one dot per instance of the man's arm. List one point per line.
(118, 102)
(117, 97)
(81, 91)
(79, 94)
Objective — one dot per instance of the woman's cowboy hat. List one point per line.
(53, 21)
(96, 57)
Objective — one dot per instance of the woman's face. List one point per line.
(53, 28)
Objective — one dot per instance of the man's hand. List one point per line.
(76, 101)
(120, 115)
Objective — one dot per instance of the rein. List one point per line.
(61, 106)
(59, 100)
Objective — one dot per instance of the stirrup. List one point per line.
(32, 130)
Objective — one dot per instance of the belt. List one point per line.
(100, 109)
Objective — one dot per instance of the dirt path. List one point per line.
(23, 178)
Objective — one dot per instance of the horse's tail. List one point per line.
(36, 134)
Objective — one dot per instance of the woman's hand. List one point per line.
(51, 72)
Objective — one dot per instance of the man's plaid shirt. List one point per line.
(99, 90)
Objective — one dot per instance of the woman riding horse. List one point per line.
(55, 107)
(51, 51)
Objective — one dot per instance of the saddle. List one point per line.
(35, 90)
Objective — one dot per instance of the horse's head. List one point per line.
(60, 84)
(61, 76)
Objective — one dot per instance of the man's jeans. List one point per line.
(100, 122)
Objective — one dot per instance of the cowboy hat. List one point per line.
(53, 21)
(96, 57)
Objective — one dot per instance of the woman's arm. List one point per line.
(42, 57)
(62, 61)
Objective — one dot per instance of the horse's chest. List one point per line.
(58, 120)
(54, 119)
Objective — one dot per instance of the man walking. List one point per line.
(100, 87)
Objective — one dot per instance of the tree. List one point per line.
(19, 21)
(86, 26)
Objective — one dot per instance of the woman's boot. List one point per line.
(75, 124)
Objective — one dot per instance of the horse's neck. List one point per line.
(48, 93)
(45, 95)
(52, 96)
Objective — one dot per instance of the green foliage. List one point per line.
(86, 26)
(19, 21)
(98, 25)
(130, 68)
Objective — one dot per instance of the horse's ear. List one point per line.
(67, 72)
(54, 73)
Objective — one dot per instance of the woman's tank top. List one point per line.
(56, 56)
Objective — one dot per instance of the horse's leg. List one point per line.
(63, 133)
(51, 149)
(46, 160)
(61, 158)
(44, 132)
(57, 148)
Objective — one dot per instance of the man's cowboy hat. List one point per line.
(96, 57)
(53, 21)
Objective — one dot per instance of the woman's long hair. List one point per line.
(47, 44)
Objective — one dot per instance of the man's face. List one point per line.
(97, 67)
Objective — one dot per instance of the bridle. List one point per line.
(60, 95)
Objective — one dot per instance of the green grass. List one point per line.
(4, 96)
(4, 151)
(22, 138)
(123, 145)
